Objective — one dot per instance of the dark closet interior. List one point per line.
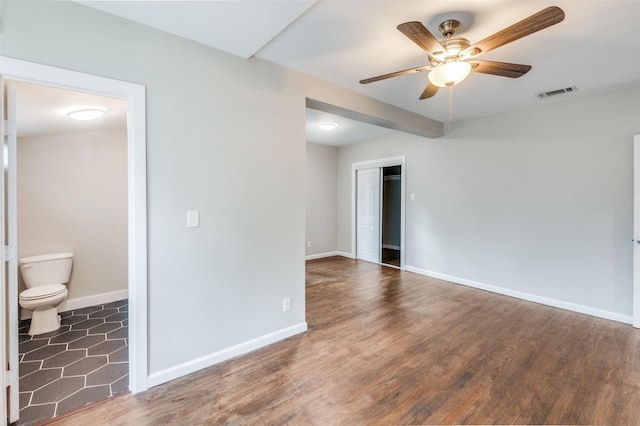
(391, 219)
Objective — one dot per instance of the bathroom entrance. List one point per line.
(80, 188)
(71, 178)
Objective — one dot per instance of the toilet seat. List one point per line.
(42, 292)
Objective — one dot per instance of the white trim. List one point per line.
(84, 302)
(225, 354)
(322, 255)
(10, 221)
(399, 160)
(636, 231)
(18, 70)
(627, 319)
(345, 254)
(329, 254)
(382, 162)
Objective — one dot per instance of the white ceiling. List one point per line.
(238, 27)
(42, 110)
(343, 41)
(348, 131)
(346, 41)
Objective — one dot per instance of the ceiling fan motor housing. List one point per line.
(449, 27)
(454, 49)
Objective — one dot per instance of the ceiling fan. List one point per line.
(452, 59)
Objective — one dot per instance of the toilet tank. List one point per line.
(46, 269)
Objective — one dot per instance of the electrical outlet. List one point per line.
(308, 244)
(286, 304)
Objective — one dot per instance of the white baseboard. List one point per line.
(84, 302)
(322, 255)
(224, 354)
(345, 254)
(600, 313)
(328, 254)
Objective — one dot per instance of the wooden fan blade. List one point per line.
(393, 74)
(503, 69)
(421, 36)
(429, 91)
(536, 22)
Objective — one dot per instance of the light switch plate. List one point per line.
(193, 218)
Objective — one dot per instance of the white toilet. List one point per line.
(45, 277)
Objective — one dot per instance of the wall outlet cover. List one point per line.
(286, 304)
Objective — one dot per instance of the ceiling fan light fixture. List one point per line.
(449, 73)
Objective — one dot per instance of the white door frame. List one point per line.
(9, 275)
(17, 70)
(382, 162)
(636, 231)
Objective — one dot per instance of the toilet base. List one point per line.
(44, 321)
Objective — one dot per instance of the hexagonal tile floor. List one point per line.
(85, 361)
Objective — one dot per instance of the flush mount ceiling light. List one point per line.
(327, 126)
(86, 113)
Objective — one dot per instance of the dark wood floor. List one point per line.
(392, 347)
(391, 257)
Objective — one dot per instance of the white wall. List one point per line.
(225, 136)
(321, 199)
(216, 128)
(536, 201)
(72, 197)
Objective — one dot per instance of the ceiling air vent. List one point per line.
(556, 92)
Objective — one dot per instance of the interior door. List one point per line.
(368, 214)
(8, 235)
(636, 231)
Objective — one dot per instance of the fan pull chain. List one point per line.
(450, 107)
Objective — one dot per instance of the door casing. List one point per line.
(636, 231)
(8, 237)
(379, 163)
(135, 94)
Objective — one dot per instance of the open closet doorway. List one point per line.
(390, 219)
(378, 211)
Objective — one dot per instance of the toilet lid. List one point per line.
(42, 291)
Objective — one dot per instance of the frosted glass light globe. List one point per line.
(449, 73)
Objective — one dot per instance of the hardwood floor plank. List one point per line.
(391, 347)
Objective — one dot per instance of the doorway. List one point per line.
(134, 94)
(378, 211)
(390, 219)
(71, 179)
